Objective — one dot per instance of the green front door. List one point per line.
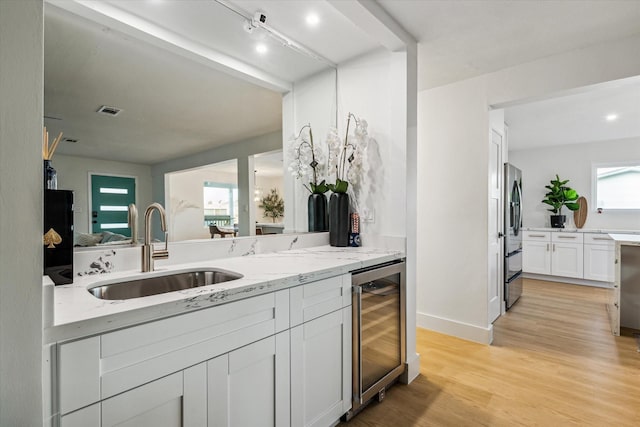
(110, 199)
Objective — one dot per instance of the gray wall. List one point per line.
(21, 106)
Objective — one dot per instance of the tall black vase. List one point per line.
(317, 212)
(339, 219)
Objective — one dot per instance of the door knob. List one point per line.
(500, 234)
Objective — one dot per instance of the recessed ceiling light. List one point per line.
(261, 48)
(312, 19)
(611, 117)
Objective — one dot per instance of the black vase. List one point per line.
(339, 219)
(317, 212)
(557, 221)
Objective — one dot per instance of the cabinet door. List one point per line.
(536, 257)
(599, 262)
(567, 260)
(175, 400)
(250, 386)
(321, 369)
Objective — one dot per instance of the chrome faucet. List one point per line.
(132, 219)
(148, 252)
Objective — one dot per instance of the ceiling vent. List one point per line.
(109, 111)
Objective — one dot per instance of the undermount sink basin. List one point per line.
(137, 288)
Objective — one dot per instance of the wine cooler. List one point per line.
(378, 331)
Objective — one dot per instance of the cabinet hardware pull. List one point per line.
(537, 235)
(566, 237)
(554, 247)
(547, 247)
(601, 238)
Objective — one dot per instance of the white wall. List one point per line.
(187, 188)
(73, 174)
(373, 87)
(453, 129)
(573, 162)
(21, 106)
(312, 101)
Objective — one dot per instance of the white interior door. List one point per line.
(495, 281)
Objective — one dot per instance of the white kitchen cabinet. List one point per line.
(228, 365)
(177, 400)
(536, 252)
(536, 257)
(567, 259)
(560, 254)
(599, 257)
(250, 386)
(321, 369)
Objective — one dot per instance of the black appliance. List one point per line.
(58, 236)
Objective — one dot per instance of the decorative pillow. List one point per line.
(109, 237)
(86, 239)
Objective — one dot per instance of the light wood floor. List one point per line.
(554, 362)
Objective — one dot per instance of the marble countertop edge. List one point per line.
(76, 313)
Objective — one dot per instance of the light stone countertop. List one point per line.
(626, 239)
(77, 313)
(581, 230)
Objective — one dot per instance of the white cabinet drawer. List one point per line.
(316, 299)
(598, 239)
(537, 235)
(99, 367)
(565, 237)
(137, 355)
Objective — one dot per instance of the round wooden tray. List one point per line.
(580, 216)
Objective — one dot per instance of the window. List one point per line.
(617, 186)
(220, 204)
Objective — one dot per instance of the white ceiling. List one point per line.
(576, 118)
(174, 106)
(465, 38)
(171, 107)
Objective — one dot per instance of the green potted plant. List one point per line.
(559, 196)
(273, 205)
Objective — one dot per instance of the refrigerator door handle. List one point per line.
(518, 214)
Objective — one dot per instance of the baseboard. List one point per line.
(457, 329)
(412, 369)
(570, 280)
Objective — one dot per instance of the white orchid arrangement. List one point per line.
(308, 161)
(346, 157)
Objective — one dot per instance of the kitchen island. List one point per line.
(277, 339)
(624, 298)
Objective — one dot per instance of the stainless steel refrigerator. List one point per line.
(512, 234)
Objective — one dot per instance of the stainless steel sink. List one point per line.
(137, 288)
